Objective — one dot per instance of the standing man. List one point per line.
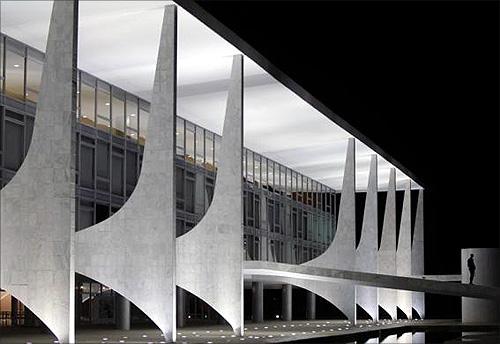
(472, 267)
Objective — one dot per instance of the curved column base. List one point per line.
(387, 299)
(418, 303)
(367, 298)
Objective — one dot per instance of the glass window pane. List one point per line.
(217, 150)
(132, 118)
(180, 137)
(33, 78)
(14, 74)
(200, 146)
(282, 178)
(264, 172)
(270, 174)
(244, 165)
(118, 113)
(14, 145)
(117, 175)
(1, 63)
(103, 106)
(87, 108)
(250, 166)
(190, 142)
(143, 122)
(209, 151)
(256, 162)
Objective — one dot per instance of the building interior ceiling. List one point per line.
(118, 42)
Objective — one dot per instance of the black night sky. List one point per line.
(420, 79)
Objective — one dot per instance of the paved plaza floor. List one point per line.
(267, 332)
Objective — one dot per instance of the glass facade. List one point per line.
(287, 216)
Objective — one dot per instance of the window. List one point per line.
(85, 214)
(190, 195)
(34, 66)
(200, 146)
(87, 103)
(117, 177)
(264, 173)
(86, 166)
(1, 62)
(256, 164)
(179, 187)
(143, 121)
(179, 137)
(190, 142)
(118, 113)
(102, 165)
(131, 171)
(14, 71)
(103, 106)
(217, 150)
(250, 166)
(131, 117)
(14, 145)
(209, 151)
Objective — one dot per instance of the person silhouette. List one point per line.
(472, 267)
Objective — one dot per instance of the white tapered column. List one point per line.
(366, 252)
(387, 298)
(341, 252)
(403, 251)
(37, 206)
(417, 254)
(210, 256)
(133, 251)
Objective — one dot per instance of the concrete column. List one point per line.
(311, 306)
(38, 205)
(181, 307)
(341, 252)
(145, 225)
(257, 301)
(286, 302)
(387, 298)
(122, 306)
(367, 251)
(210, 256)
(403, 252)
(417, 254)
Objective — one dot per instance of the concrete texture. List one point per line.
(340, 253)
(311, 306)
(257, 302)
(37, 206)
(367, 250)
(286, 302)
(403, 251)
(296, 274)
(122, 313)
(210, 256)
(133, 251)
(387, 299)
(417, 254)
(487, 261)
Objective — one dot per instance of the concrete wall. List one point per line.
(487, 261)
(133, 251)
(210, 256)
(403, 251)
(37, 206)
(366, 252)
(387, 252)
(417, 254)
(341, 252)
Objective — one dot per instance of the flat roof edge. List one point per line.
(200, 13)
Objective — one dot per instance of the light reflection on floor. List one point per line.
(267, 332)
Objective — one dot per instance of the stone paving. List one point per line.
(266, 332)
